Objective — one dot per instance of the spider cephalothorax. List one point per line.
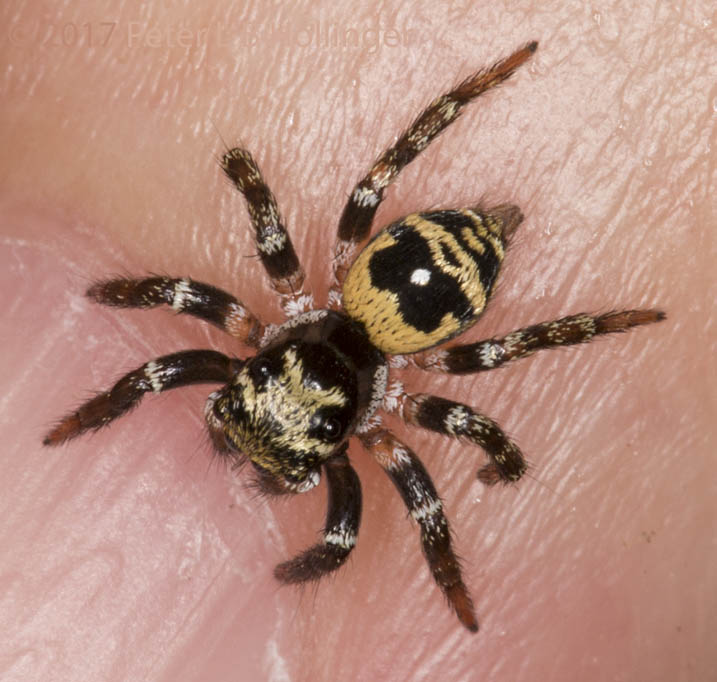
(292, 406)
(322, 376)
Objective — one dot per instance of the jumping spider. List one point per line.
(321, 377)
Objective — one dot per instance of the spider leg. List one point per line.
(420, 497)
(183, 296)
(342, 524)
(161, 374)
(456, 420)
(355, 223)
(492, 353)
(272, 240)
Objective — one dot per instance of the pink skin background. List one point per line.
(132, 554)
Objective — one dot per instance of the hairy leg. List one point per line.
(272, 240)
(343, 519)
(421, 499)
(567, 331)
(183, 295)
(156, 376)
(456, 420)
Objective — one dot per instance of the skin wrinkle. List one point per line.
(118, 193)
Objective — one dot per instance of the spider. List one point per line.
(322, 376)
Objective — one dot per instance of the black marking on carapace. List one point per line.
(300, 397)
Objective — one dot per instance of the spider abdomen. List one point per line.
(427, 277)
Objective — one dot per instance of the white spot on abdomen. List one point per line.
(420, 276)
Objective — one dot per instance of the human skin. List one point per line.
(132, 554)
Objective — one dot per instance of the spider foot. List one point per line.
(312, 564)
(462, 604)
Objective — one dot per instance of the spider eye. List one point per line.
(330, 429)
(326, 427)
(260, 370)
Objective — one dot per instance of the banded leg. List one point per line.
(492, 353)
(161, 374)
(358, 214)
(342, 524)
(420, 497)
(272, 240)
(456, 420)
(183, 296)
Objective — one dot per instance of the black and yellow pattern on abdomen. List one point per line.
(425, 278)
